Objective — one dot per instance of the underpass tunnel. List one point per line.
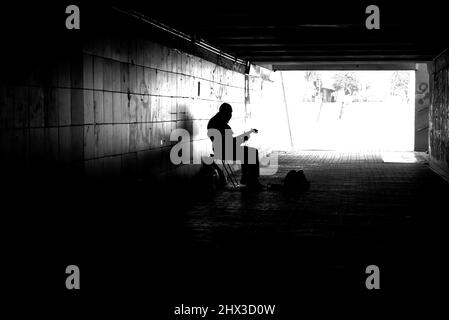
(89, 119)
(102, 101)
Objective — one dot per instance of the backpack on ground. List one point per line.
(296, 181)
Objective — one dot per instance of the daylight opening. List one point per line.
(350, 110)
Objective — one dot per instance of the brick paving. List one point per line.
(239, 246)
(358, 211)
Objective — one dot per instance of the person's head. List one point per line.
(226, 111)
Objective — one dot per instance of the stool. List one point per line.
(229, 171)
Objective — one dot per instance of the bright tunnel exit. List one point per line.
(350, 110)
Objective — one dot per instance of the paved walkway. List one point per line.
(361, 209)
(238, 247)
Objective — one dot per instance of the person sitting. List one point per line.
(228, 147)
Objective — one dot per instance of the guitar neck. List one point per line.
(244, 134)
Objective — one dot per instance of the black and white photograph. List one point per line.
(258, 160)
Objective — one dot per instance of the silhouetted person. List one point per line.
(230, 148)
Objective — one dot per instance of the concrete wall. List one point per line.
(422, 105)
(106, 105)
(41, 117)
(136, 92)
(439, 112)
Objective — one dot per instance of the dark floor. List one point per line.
(137, 251)
(358, 211)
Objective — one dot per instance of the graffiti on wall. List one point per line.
(422, 93)
(439, 117)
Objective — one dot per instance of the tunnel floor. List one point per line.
(136, 249)
(359, 211)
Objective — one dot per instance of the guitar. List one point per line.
(245, 135)
(237, 139)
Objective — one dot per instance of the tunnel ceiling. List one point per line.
(288, 33)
